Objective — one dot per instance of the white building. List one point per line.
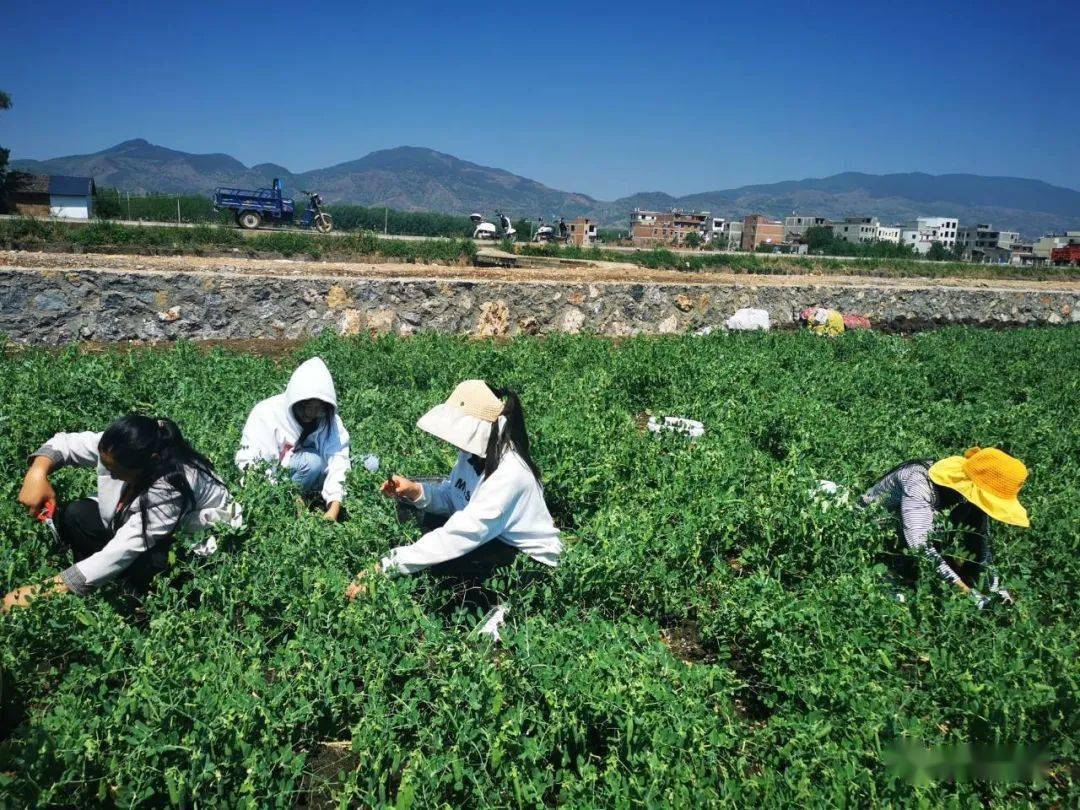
(71, 197)
(924, 231)
(796, 226)
(888, 233)
(856, 229)
(714, 227)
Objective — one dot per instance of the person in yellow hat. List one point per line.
(972, 488)
(490, 509)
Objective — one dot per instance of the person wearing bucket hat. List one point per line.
(492, 506)
(972, 488)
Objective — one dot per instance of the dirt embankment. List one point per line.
(598, 272)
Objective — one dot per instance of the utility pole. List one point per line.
(129, 205)
(177, 208)
(386, 219)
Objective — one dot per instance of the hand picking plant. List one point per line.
(245, 679)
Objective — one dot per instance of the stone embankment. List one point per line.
(48, 299)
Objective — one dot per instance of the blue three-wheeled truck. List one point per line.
(253, 207)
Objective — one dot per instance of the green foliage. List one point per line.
(820, 240)
(611, 236)
(111, 203)
(104, 235)
(692, 240)
(938, 252)
(224, 684)
(407, 223)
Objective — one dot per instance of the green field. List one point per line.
(247, 680)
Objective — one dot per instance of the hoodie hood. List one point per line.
(311, 380)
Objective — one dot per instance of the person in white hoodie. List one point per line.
(490, 509)
(151, 485)
(301, 431)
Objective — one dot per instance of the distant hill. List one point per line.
(418, 179)
(408, 178)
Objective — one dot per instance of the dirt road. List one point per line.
(599, 272)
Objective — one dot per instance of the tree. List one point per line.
(5, 104)
(692, 240)
(937, 252)
(819, 239)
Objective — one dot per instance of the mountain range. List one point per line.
(419, 179)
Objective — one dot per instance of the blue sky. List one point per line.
(605, 99)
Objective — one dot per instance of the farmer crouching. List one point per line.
(151, 485)
(489, 510)
(300, 430)
(971, 489)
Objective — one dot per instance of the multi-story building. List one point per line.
(649, 228)
(714, 228)
(796, 226)
(1043, 246)
(758, 229)
(1023, 253)
(983, 236)
(981, 243)
(733, 230)
(924, 231)
(582, 232)
(856, 229)
(889, 233)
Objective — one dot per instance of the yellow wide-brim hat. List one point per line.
(988, 478)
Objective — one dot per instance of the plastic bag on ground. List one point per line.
(491, 623)
(747, 319)
(856, 322)
(676, 424)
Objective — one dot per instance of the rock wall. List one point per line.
(56, 306)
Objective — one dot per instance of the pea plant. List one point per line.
(717, 634)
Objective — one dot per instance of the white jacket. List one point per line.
(510, 506)
(271, 430)
(213, 504)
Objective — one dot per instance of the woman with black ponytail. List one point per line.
(151, 485)
(490, 509)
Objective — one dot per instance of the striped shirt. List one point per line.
(908, 490)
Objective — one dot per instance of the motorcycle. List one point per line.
(487, 230)
(482, 229)
(547, 234)
(314, 216)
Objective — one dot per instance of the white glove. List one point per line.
(981, 600)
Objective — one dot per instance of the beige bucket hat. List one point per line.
(466, 418)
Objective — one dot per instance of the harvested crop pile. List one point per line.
(246, 679)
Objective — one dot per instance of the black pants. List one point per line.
(80, 528)
(467, 575)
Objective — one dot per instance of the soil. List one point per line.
(597, 272)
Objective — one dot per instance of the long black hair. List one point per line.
(157, 450)
(513, 435)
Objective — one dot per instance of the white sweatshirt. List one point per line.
(271, 430)
(510, 506)
(213, 505)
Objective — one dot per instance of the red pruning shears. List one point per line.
(46, 517)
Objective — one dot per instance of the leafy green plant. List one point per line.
(246, 680)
